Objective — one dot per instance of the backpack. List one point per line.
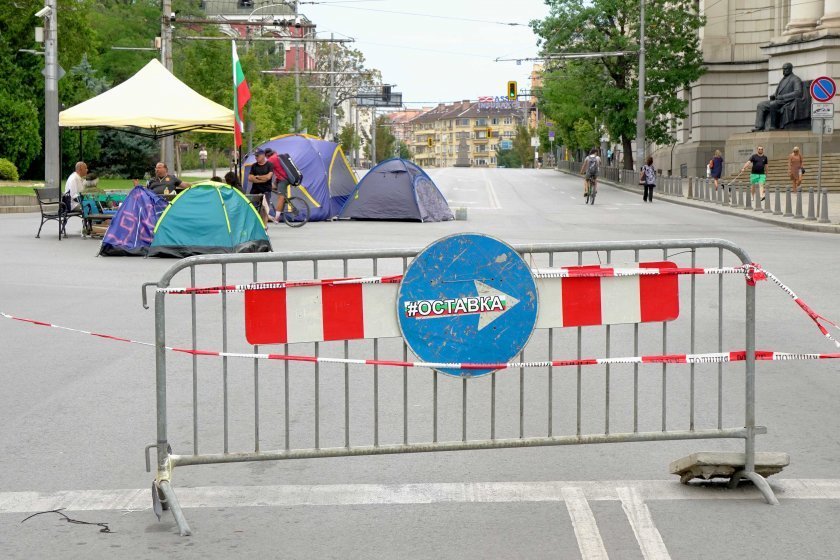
(592, 166)
(650, 175)
(293, 174)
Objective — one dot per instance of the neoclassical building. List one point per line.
(744, 44)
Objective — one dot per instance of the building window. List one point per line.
(480, 134)
(480, 122)
(462, 122)
(508, 120)
(494, 121)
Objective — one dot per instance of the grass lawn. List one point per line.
(25, 187)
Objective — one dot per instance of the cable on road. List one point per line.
(104, 526)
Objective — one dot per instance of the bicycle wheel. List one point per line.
(592, 192)
(295, 212)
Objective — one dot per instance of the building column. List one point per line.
(831, 17)
(804, 15)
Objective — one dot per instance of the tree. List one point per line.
(348, 139)
(508, 158)
(20, 140)
(350, 71)
(522, 146)
(385, 140)
(673, 62)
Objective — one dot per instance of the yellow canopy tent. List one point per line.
(151, 103)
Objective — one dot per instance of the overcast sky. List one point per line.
(437, 50)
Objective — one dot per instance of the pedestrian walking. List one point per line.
(647, 179)
(716, 167)
(795, 168)
(758, 171)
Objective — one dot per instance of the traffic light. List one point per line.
(511, 91)
(489, 132)
(429, 141)
(386, 93)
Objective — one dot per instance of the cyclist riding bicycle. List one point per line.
(589, 170)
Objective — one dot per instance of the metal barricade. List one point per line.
(252, 409)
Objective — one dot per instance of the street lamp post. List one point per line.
(51, 155)
(640, 115)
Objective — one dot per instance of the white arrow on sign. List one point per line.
(489, 304)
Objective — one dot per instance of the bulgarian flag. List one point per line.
(241, 96)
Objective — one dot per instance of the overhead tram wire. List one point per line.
(434, 16)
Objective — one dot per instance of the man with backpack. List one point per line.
(589, 170)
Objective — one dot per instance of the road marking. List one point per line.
(647, 535)
(583, 521)
(388, 494)
(494, 200)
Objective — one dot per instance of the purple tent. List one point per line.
(327, 177)
(132, 227)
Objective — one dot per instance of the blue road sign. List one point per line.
(507, 144)
(467, 298)
(823, 89)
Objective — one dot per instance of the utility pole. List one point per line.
(332, 88)
(297, 72)
(373, 136)
(167, 144)
(358, 142)
(640, 115)
(51, 153)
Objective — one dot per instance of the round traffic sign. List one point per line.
(467, 298)
(823, 89)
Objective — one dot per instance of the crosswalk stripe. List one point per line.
(583, 521)
(647, 535)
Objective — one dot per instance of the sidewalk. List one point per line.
(760, 216)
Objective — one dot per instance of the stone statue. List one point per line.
(788, 91)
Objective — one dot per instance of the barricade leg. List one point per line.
(759, 482)
(171, 501)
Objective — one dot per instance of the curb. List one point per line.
(798, 225)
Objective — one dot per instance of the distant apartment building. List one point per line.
(401, 123)
(466, 133)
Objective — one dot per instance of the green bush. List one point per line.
(8, 171)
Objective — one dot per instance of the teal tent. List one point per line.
(209, 217)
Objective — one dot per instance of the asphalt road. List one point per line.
(77, 411)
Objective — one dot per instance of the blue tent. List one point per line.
(328, 178)
(397, 189)
(132, 227)
(209, 217)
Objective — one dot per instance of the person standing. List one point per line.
(202, 157)
(716, 165)
(260, 176)
(758, 172)
(795, 168)
(648, 179)
(74, 185)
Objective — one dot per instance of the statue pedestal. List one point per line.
(777, 145)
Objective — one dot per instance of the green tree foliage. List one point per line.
(8, 171)
(508, 158)
(522, 146)
(348, 139)
(607, 87)
(404, 150)
(385, 140)
(20, 140)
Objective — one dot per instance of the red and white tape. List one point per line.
(281, 285)
(710, 358)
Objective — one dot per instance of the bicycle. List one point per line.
(591, 190)
(295, 212)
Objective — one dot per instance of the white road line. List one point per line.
(647, 535)
(583, 521)
(385, 494)
(494, 200)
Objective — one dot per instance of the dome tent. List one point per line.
(209, 217)
(328, 178)
(132, 227)
(397, 189)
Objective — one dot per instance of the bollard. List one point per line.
(725, 189)
(747, 198)
(679, 187)
(767, 209)
(788, 213)
(811, 215)
(739, 198)
(824, 208)
(778, 197)
(757, 198)
(798, 214)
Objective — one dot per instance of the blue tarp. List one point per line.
(327, 177)
(132, 227)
